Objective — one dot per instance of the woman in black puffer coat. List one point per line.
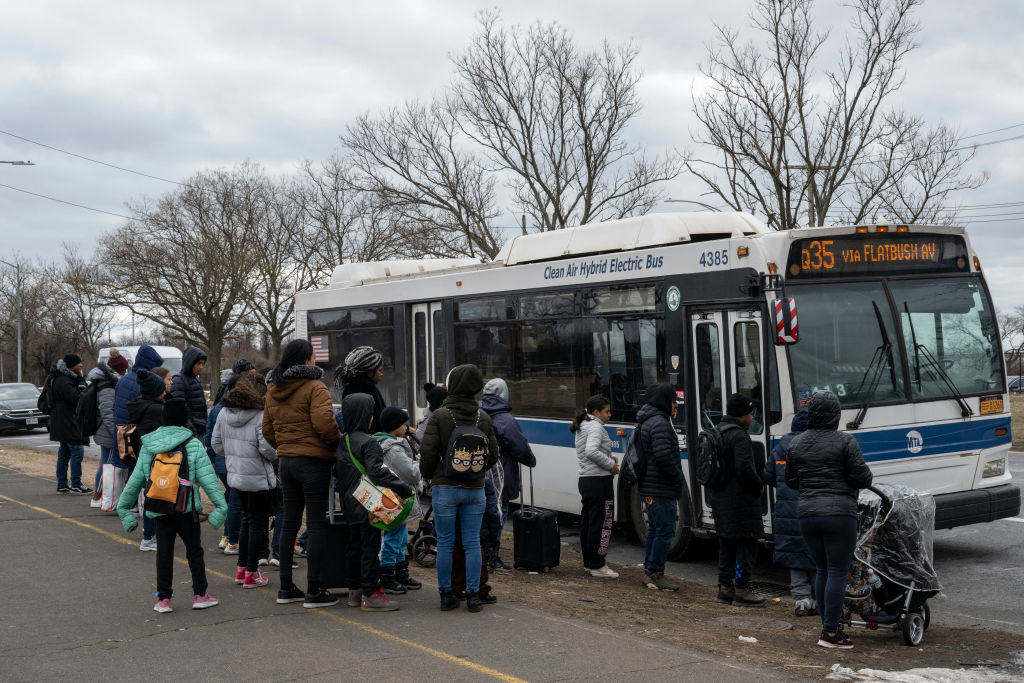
(827, 467)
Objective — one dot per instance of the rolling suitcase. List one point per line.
(334, 568)
(536, 543)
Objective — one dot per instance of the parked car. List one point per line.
(1016, 384)
(18, 407)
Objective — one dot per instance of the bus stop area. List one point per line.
(79, 604)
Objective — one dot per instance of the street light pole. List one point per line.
(17, 269)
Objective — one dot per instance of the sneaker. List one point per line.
(300, 550)
(96, 503)
(231, 549)
(148, 544)
(726, 594)
(263, 562)
(744, 598)
(240, 575)
(488, 599)
(255, 580)
(448, 601)
(838, 640)
(378, 602)
(321, 599)
(81, 488)
(803, 607)
(604, 572)
(473, 602)
(204, 601)
(276, 562)
(63, 489)
(355, 597)
(658, 581)
(163, 605)
(390, 584)
(223, 542)
(287, 595)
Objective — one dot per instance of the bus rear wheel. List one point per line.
(682, 544)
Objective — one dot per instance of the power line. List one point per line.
(997, 220)
(95, 161)
(989, 132)
(63, 201)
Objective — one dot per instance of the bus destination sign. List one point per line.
(878, 254)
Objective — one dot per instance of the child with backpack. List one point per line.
(172, 464)
(395, 439)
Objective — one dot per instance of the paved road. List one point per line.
(78, 606)
(981, 568)
(41, 439)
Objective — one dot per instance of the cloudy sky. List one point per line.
(172, 88)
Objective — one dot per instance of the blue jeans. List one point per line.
(831, 541)
(392, 549)
(104, 459)
(233, 522)
(275, 541)
(69, 453)
(468, 505)
(661, 529)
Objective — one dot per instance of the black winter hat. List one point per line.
(391, 418)
(71, 360)
(175, 413)
(150, 385)
(242, 365)
(739, 405)
(436, 394)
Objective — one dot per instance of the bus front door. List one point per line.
(707, 328)
(428, 352)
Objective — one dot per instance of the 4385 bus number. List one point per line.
(717, 257)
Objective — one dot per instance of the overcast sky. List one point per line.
(173, 88)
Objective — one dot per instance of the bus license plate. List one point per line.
(32, 421)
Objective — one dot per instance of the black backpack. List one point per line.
(711, 471)
(45, 401)
(87, 412)
(466, 455)
(633, 466)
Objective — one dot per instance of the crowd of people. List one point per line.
(275, 453)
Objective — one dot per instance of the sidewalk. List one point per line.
(79, 591)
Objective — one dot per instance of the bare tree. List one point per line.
(412, 162)
(554, 116)
(183, 261)
(86, 311)
(46, 329)
(785, 144)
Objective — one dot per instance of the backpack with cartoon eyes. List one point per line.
(466, 455)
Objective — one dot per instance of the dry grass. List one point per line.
(1017, 420)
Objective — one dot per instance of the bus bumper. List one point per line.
(979, 505)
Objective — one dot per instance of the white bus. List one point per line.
(896, 320)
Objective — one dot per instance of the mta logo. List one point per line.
(915, 442)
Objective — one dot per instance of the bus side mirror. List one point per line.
(785, 322)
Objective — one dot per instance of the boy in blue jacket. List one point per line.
(174, 435)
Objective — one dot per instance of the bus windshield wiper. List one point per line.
(873, 373)
(930, 359)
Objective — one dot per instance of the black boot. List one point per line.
(389, 583)
(448, 601)
(473, 602)
(402, 576)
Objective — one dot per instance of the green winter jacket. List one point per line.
(162, 440)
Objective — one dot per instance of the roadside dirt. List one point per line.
(693, 619)
(1017, 420)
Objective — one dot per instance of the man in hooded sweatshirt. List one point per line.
(364, 572)
(186, 385)
(67, 387)
(736, 506)
(660, 480)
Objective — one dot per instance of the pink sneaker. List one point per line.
(255, 580)
(163, 606)
(240, 575)
(203, 601)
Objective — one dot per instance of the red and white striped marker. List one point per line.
(785, 321)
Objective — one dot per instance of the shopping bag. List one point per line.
(113, 480)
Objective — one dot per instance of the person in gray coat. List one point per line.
(597, 470)
(249, 459)
(827, 467)
(105, 380)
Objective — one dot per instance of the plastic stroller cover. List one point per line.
(898, 543)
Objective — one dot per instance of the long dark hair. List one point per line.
(594, 404)
(297, 352)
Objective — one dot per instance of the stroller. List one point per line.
(893, 576)
(422, 545)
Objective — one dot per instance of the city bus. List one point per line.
(896, 320)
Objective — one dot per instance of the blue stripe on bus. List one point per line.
(879, 445)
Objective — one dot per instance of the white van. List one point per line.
(171, 356)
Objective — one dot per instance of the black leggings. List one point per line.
(253, 535)
(596, 518)
(831, 541)
(168, 527)
(305, 483)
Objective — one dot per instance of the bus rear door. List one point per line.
(429, 362)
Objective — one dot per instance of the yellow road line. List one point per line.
(439, 654)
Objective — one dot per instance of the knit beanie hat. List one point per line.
(498, 387)
(436, 394)
(150, 385)
(359, 360)
(242, 365)
(391, 418)
(117, 362)
(739, 405)
(175, 413)
(71, 360)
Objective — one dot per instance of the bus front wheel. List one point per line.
(683, 541)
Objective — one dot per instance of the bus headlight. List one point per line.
(994, 468)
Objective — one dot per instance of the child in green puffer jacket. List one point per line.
(171, 436)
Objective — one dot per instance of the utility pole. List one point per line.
(17, 269)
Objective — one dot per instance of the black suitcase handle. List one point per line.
(522, 491)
